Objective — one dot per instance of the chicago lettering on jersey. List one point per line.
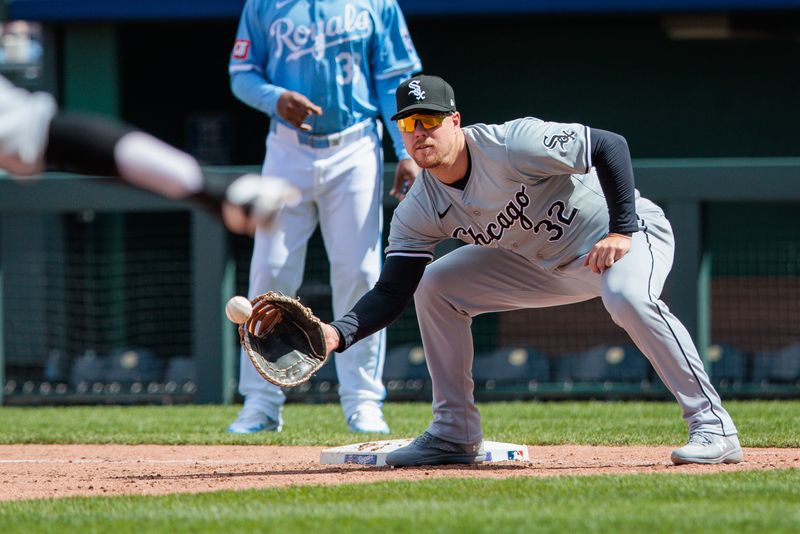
(514, 211)
(301, 39)
(558, 218)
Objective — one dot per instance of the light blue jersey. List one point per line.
(346, 56)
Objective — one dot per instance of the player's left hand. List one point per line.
(404, 175)
(254, 201)
(607, 252)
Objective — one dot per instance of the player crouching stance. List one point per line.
(550, 216)
(35, 136)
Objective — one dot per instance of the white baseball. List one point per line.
(238, 309)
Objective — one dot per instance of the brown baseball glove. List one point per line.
(283, 339)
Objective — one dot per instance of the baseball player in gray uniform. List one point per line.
(550, 216)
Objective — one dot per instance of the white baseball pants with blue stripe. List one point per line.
(341, 190)
(473, 280)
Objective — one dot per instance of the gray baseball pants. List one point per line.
(473, 280)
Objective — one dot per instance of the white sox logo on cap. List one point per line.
(416, 90)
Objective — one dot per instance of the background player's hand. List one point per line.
(404, 175)
(254, 201)
(607, 251)
(296, 108)
(331, 338)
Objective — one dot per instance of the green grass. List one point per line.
(760, 423)
(765, 501)
(732, 502)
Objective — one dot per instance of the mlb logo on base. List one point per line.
(516, 455)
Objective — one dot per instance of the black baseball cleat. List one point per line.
(427, 449)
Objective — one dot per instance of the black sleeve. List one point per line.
(612, 160)
(384, 303)
(84, 144)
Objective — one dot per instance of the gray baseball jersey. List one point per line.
(24, 122)
(535, 207)
(532, 190)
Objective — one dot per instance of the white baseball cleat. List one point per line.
(253, 201)
(250, 421)
(705, 448)
(367, 422)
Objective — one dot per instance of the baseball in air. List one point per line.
(238, 309)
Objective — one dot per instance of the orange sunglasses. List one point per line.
(407, 124)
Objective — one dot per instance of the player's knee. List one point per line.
(433, 284)
(624, 305)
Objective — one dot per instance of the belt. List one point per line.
(325, 141)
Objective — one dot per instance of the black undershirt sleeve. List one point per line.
(612, 161)
(84, 144)
(384, 303)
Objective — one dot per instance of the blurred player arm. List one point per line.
(381, 305)
(95, 145)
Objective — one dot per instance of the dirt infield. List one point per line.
(44, 471)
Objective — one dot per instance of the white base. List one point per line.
(375, 452)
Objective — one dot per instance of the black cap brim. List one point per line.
(410, 110)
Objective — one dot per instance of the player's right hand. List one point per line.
(254, 201)
(606, 252)
(295, 108)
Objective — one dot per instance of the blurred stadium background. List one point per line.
(115, 296)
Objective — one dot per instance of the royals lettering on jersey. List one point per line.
(531, 190)
(331, 51)
(297, 40)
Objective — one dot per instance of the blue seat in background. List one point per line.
(727, 365)
(512, 365)
(778, 367)
(88, 369)
(405, 369)
(406, 362)
(605, 363)
(181, 370)
(129, 365)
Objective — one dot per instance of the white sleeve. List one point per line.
(412, 232)
(24, 121)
